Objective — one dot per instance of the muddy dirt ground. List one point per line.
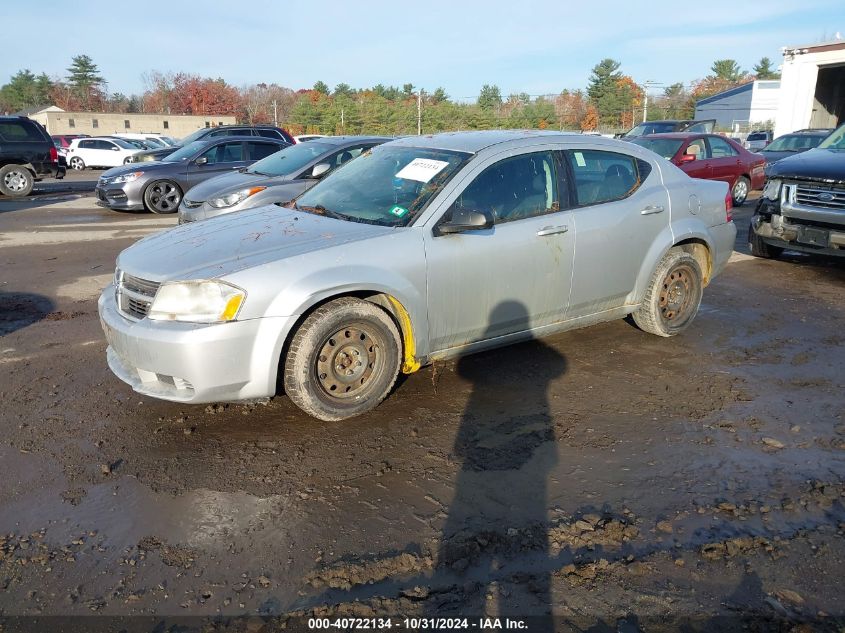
(616, 480)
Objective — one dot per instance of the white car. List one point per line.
(161, 141)
(302, 138)
(99, 152)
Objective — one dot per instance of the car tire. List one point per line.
(76, 163)
(739, 192)
(16, 181)
(162, 196)
(673, 295)
(325, 372)
(759, 248)
(127, 160)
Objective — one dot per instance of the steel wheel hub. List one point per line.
(346, 362)
(675, 295)
(741, 190)
(15, 181)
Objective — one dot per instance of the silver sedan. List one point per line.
(278, 178)
(425, 248)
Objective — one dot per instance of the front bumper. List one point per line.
(777, 230)
(120, 197)
(191, 362)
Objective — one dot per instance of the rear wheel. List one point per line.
(77, 163)
(740, 190)
(672, 298)
(343, 360)
(16, 180)
(759, 248)
(162, 196)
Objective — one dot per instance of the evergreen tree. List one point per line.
(603, 91)
(439, 96)
(321, 87)
(763, 70)
(727, 69)
(25, 90)
(83, 73)
(490, 98)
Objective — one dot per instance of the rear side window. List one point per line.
(603, 176)
(21, 132)
(720, 148)
(225, 153)
(257, 151)
(269, 133)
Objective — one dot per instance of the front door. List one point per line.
(724, 159)
(514, 276)
(219, 159)
(700, 167)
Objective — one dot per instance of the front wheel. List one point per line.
(672, 298)
(77, 163)
(740, 190)
(343, 360)
(16, 180)
(162, 196)
(759, 248)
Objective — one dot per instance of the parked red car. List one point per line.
(711, 157)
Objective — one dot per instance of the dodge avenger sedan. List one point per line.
(424, 248)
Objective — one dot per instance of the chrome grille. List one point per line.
(192, 204)
(135, 295)
(822, 196)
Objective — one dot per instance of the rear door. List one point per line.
(620, 208)
(725, 160)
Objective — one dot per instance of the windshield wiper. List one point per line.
(321, 210)
(259, 173)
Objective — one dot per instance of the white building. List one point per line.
(812, 91)
(740, 109)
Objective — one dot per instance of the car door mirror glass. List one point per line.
(320, 169)
(463, 219)
(202, 160)
(688, 158)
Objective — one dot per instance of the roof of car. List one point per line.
(476, 141)
(350, 140)
(678, 135)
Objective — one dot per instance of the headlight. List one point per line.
(232, 199)
(197, 302)
(116, 180)
(771, 191)
(117, 274)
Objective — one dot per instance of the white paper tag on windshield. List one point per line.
(579, 159)
(421, 169)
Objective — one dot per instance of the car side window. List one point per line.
(224, 153)
(720, 148)
(258, 150)
(86, 145)
(269, 133)
(514, 188)
(602, 176)
(344, 156)
(698, 148)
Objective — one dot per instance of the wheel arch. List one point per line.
(392, 306)
(700, 250)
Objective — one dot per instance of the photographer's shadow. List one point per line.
(497, 522)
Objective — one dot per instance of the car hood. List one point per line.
(228, 183)
(155, 166)
(827, 165)
(225, 245)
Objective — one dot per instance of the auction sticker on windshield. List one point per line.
(399, 211)
(421, 169)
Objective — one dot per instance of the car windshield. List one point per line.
(153, 143)
(385, 185)
(193, 136)
(793, 143)
(836, 140)
(757, 136)
(651, 128)
(185, 152)
(290, 159)
(665, 147)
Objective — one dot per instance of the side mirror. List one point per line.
(202, 160)
(320, 170)
(465, 220)
(687, 158)
(115, 149)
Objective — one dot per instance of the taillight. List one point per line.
(54, 153)
(729, 205)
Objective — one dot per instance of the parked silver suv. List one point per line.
(424, 248)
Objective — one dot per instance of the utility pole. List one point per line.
(342, 122)
(275, 114)
(419, 112)
(646, 86)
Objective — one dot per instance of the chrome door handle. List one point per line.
(652, 208)
(551, 230)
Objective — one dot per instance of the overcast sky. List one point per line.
(521, 45)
